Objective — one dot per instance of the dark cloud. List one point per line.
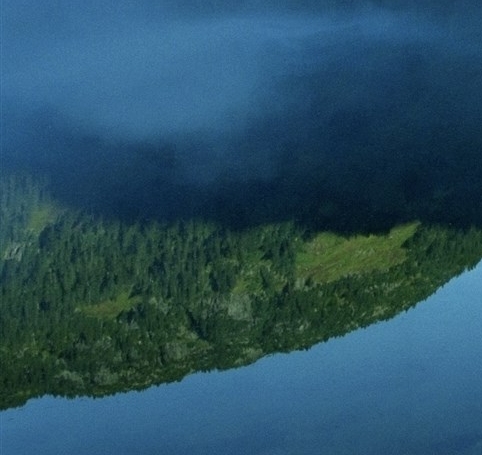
(157, 97)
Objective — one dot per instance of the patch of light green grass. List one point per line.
(41, 216)
(328, 256)
(109, 309)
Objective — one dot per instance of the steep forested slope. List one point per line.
(95, 306)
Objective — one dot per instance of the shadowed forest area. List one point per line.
(93, 306)
(390, 179)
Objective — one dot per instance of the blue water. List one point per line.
(411, 385)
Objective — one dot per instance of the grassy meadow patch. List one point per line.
(42, 216)
(109, 309)
(328, 256)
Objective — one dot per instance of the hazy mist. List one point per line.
(138, 105)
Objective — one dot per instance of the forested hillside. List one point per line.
(94, 306)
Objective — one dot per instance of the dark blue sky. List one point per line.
(231, 88)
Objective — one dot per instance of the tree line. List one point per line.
(94, 306)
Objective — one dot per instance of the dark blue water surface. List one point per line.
(411, 385)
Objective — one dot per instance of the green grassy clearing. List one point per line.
(329, 257)
(42, 216)
(109, 309)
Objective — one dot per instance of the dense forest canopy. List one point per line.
(94, 306)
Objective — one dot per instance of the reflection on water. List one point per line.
(409, 385)
(322, 175)
(94, 307)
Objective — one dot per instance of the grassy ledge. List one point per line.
(328, 257)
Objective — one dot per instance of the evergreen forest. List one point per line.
(94, 305)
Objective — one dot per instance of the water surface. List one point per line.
(407, 386)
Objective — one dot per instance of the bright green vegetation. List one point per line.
(94, 306)
(329, 257)
(110, 308)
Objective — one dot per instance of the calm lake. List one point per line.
(407, 386)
